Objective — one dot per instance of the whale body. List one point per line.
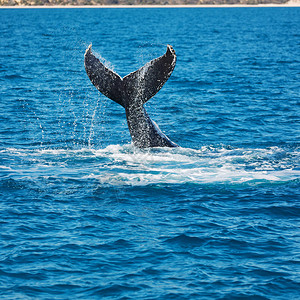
(133, 91)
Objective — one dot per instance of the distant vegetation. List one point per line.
(135, 2)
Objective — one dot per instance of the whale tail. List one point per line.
(133, 91)
(139, 86)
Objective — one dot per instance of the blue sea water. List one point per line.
(85, 215)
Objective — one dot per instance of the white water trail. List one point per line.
(128, 166)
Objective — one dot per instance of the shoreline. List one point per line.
(288, 4)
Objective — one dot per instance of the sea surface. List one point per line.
(86, 215)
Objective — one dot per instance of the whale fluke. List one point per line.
(133, 91)
(149, 79)
(105, 80)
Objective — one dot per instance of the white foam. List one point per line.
(126, 165)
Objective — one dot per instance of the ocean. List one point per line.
(86, 215)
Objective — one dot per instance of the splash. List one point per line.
(128, 166)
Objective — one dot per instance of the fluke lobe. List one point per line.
(133, 91)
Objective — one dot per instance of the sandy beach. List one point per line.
(292, 3)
